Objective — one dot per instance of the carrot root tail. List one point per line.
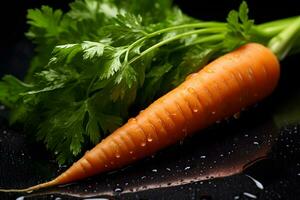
(31, 189)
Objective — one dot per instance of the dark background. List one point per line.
(15, 49)
(279, 173)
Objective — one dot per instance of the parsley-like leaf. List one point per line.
(103, 59)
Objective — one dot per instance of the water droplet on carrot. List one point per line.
(143, 144)
(213, 112)
(191, 90)
(195, 110)
(174, 114)
(130, 152)
(149, 139)
(105, 166)
(190, 76)
(118, 156)
(209, 71)
(141, 111)
(132, 120)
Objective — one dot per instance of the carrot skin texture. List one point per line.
(221, 89)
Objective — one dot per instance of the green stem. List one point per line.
(213, 38)
(194, 25)
(184, 26)
(159, 44)
(274, 27)
(282, 43)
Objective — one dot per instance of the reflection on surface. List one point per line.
(224, 150)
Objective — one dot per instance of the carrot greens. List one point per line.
(103, 57)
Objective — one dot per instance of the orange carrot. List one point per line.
(222, 88)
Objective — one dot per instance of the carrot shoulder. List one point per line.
(222, 88)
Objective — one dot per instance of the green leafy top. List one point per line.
(104, 58)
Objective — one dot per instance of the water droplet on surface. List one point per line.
(213, 112)
(202, 157)
(149, 139)
(247, 194)
(195, 110)
(154, 170)
(236, 197)
(4, 132)
(237, 115)
(118, 156)
(143, 177)
(256, 143)
(174, 114)
(257, 183)
(181, 142)
(141, 111)
(187, 168)
(118, 189)
(130, 152)
(168, 169)
(20, 198)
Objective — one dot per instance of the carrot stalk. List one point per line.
(221, 89)
(282, 43)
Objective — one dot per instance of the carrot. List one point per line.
(221, 89)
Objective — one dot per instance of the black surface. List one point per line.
(264, 143)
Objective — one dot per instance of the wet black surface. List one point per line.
(223, 162)
(246, 158)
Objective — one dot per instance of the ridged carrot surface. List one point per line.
(221, 89)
